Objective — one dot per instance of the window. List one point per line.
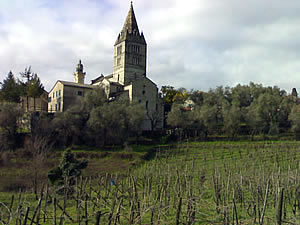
(55, 107)
(144, 92)
(58, 106)
(119, 61)
(119, 50)
(135, 61)
(56, 93)
(134, 48)
(79, 93)
(147, 105)
(53, 94)
(138, 49)
(59, 93)
(49, 99)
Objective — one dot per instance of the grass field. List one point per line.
(187, 183)
(20, 169)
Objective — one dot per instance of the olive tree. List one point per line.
(10, 114)
(294, 117)
(232, 120)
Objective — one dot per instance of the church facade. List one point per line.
(128, 80)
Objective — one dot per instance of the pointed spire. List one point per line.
(130, 24)
(130, 30)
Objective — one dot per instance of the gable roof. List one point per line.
(100, 78)
(72, 84)
(97, 79)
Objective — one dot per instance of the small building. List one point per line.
(189, 105)
(35, 104)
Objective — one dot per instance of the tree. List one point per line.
(197, 97)
(253, 120)
(181, 95)
(10, 89)
(294, 117)
(10, 113)
(232, 120)
(209, 117)
(155, 119)
(268, 111)
(69, 125)
(32, 86)
(111, 122)
(64, 176)
(180, 119)
(135, 116)
(177, 118)
(168, 94)
(27, 74)
(241, 96)
(39, 142)
(114, 122)
(93, 99)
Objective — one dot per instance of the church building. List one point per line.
(128, 80)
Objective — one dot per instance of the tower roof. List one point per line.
(79, 67)
(130, 30)
(130, 24)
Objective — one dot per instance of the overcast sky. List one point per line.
(197, 44)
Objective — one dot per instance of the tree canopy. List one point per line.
(250, 109)
(12, 88)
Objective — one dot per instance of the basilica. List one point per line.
(128, 80)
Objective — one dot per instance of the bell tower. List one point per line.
(130, 52)
(79, 74)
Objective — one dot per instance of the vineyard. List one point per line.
(188, 183)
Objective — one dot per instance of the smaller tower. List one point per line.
(294, 92)
(79, 74)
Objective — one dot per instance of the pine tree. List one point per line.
(64, 176)
(10, 89)
(33, 85)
